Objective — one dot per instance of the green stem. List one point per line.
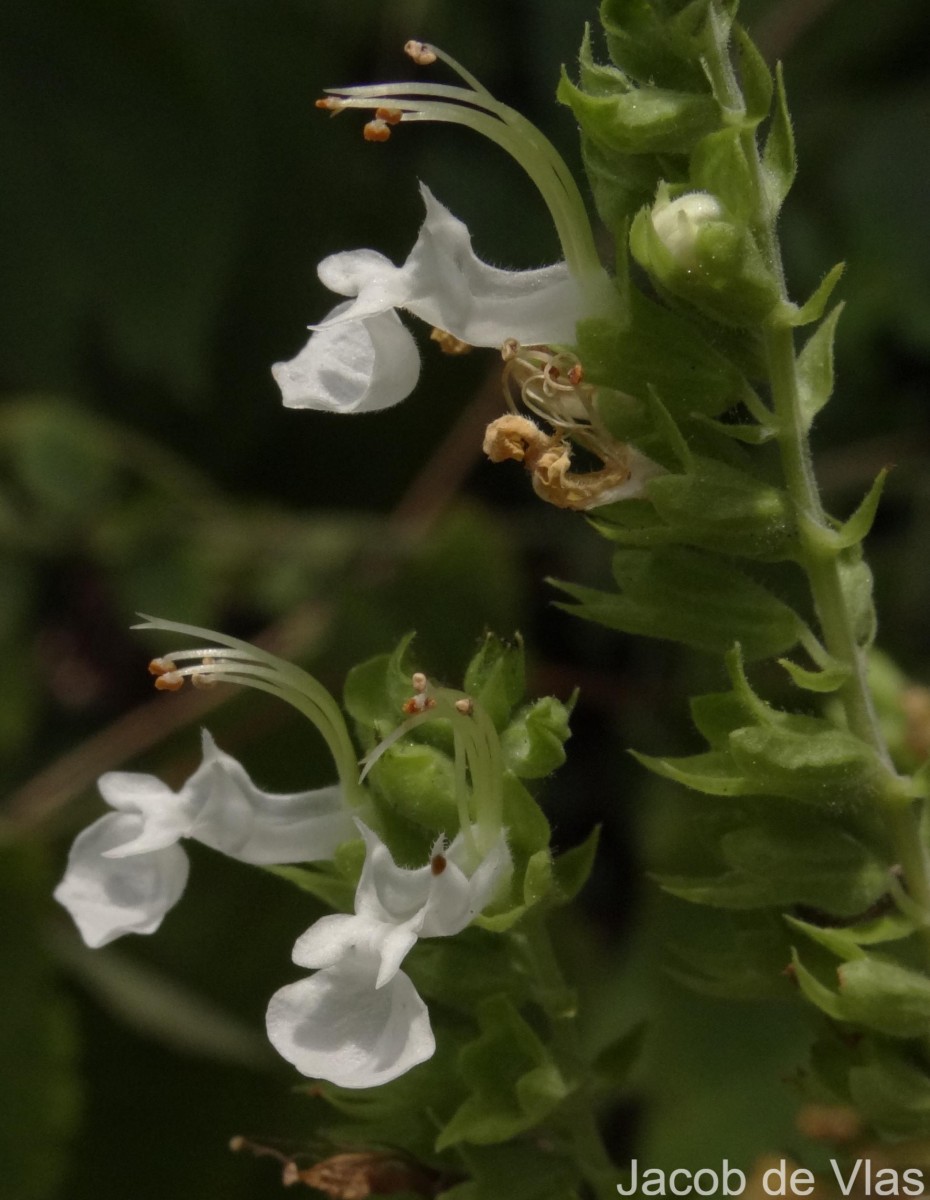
(818, 555)
(577, 1112)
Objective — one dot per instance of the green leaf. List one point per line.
(809, 760)
(751, 435)
(519, 1170)
(813, 309)
(496, 677)
(816, 992)
(853, 531)
(830, 679)
(815, 368)
(738, 955)
(572, 869)
(847, 941)
(718, 166)
(375, 690)
(595, 78)
(418, 782)
(513, 1083)
(883, 996)
(856, 582)
(813, 864)
(720, 508)
(717, 714)
(648, 120)
(622, 183)
(455, 971)
(647, 45)
(714, 773)
(689, 596)
(755, 77)
(660, 349)
(891, 1090)
(534, 742)
(526, 824)
(779, 161)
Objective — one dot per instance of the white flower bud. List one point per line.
(677, 223)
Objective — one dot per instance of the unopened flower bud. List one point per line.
(677, 222)
(697, 250)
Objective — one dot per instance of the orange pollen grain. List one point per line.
(376, 131)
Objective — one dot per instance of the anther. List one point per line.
(419, 681)
(376, 131)
(170, 681)
(437, 864)
(202, 679)
(161, 666)
(510, 349)
(421, 53)
(332, 104)
(465, 706)
(417, 704)
(576, 374)
(391, 116)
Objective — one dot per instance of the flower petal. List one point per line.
(337, 1026)
(366, 275)
(338, 937)
(254, 826)
(451, 288)
(456, 899)
(352, 366)
(387, 892)
(109, 896)
(166, 816)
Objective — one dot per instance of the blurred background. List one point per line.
(168, 191)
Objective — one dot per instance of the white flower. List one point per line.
(359, 1021)
(677, 222)
(126, 870)
(361, 358)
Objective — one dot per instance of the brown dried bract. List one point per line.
(548, 458)
(448, 343)
(358, 1176)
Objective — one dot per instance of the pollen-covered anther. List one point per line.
(437, 864)
(332, 104)
(465, 706)
(390, 116)
(170, 681)
(376, 131)
(576, 374)
(162, 666)
(417, 704)
(421, 52)
(448, 343)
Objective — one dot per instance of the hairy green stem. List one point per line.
(576, 1113)
(819, 556)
